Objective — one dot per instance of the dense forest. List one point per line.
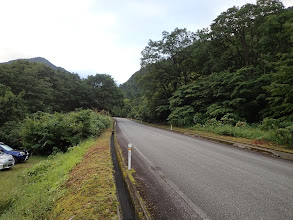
(36, 90)
(240, 69)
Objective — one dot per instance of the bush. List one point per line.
(283, 136)
(213, 122)
(241, 124)
(269, 123)
(45, 133)
(280, 130)
(9, 133)
(199, 118)
(230, 119)
(241, 129)
(181, 116)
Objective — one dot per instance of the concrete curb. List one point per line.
(141, 211)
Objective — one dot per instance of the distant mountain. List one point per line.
(130, 88)
(39, 60)
(42, 60)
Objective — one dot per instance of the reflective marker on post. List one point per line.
(129, 156)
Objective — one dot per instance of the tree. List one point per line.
(239, 68)
(12, 107)
(31, 78)
(237, 31)
(105, 94)
(281, 89)
(170, 48)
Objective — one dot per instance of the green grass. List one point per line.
(10, 180)
(244, 132)
(31, 193)
(91, 192)
(274, 136)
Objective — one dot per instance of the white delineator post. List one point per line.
(129, 156)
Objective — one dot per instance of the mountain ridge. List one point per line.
(38, 60)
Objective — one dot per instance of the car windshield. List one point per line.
(6, 147)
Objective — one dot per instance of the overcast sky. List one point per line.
(98, 36)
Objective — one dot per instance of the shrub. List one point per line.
(199, 118)
(241, 124)
(280, 130)
(283, 136)
(45, 133)
(181, 116)
(269, 123)
(213, 122)
(230, 119)
(9, 133)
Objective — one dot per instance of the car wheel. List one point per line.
(15, 160)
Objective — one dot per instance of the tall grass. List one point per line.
(39, 187)
(281, 136)
(228, 130)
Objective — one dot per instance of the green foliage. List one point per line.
(266, 132)
(281, 130)
(199, 118)
(28, 87)
(12, 107)
(269, 123)
(130, 89)
(239, 69)
(104, 93)
(9, 133)
(181, 116)
(281, 89)
(34, 87)
(283, 136)
(45, 133)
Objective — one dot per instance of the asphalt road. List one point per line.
(215, 181)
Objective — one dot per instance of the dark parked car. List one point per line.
(18, 155)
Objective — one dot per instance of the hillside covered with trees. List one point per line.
(29, 89)
(239, 69)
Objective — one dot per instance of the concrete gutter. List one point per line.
(140, 209)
